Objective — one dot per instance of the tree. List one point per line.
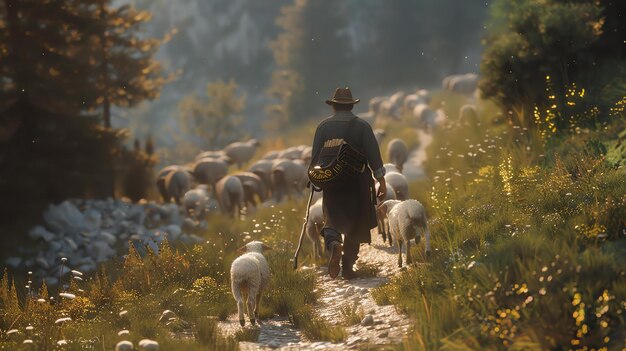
(213, 123)
(125, 70)
(77, 56)
(540, 52)
(313, 56)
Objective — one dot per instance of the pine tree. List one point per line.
(122, 67)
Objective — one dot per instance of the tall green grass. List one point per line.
(528, 248)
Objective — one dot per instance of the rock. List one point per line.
(148, 345)
(173, 231)
(353, 341)
(108, 237)
(39, 232)
(13, 261)
(367, 320)
(383, 334)
(64, 218)
(349, 291)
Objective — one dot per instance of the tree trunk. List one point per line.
(106, 103)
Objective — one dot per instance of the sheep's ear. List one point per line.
(242, 249)
(265, 247)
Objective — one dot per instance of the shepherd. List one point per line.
(349, 203)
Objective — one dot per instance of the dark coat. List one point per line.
(349, 208)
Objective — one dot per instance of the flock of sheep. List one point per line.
(280, 174)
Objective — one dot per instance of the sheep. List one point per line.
(160, 181)
(424, 115)
(397, 152)
(287, 177)
(314, 227)
(468, 116)
(208, 171)
(253, 186)
(249, 275)
(383, 226)
(374, 104)
(423, 95)
(271, 155)
(461, 83)
(405, 218)
(399, 183)
(306, 154)
(196, 201)
(229, 193)
(410, 101)
(219, 155)
(291, 153)
(390, 167)
(263, 168)
(177, 183)
(241, 152)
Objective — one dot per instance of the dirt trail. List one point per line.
(385, 327)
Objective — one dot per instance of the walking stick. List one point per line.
(306, 219)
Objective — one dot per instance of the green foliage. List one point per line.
(315, 327)
(215, 123)
(528, 248)
(543, 51)
(351, 313)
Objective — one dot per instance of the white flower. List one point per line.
(29, 328)
(28, 341)
(75, 272)
(123, 332)
(12, 331)
(62, 342)
(62, 320)
(68, 296)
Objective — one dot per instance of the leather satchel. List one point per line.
(337, 162)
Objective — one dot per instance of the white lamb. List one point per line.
(249, 276)
(314, 227)
(404, 220)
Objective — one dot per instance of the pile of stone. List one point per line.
(88, 232)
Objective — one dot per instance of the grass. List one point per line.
(193, 282)
(351, 313)
(528, 252)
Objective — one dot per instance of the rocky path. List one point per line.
(381, 325)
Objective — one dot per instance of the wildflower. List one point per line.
(12, 331)
(62, 342)
(62, 320)
(29, 328)
(28, 341)
(123, 332)
(68, 296)
(77, 273)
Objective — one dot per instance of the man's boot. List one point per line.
(332, 239)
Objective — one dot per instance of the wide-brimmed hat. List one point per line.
(342, 96)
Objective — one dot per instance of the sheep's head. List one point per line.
(254, 246)
(384, 208)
